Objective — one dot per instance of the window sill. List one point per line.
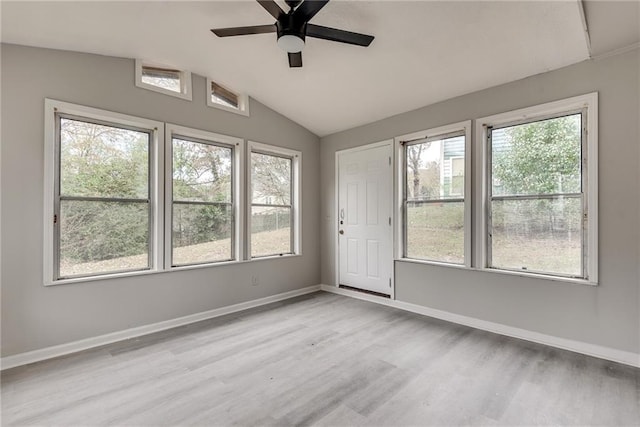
(102, 277)
(182, 95)
(436, 263)
(272, 257)
(170, 270)
(242, 112)
(540, 276)
(530, 275)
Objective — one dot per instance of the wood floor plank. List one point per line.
(327, 360)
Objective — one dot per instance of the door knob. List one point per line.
(341, 231)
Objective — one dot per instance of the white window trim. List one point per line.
(51, 107)
(237, 145)
(243, 100)
(588, 101)
(464, 126)
(296, 202)
(185, 81)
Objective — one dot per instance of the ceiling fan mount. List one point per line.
(293, 27)
(292, 3)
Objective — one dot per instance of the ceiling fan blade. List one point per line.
(272, 7)
(241, 31)
(295, 60)
(336, 35)
(309, 8)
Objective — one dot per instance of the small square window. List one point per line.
(221, 97)
(163, 79)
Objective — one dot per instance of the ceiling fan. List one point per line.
(293, 27)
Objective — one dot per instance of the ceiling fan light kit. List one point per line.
(290, 43)
(293, 27)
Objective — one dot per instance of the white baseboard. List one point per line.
(625, 357)
(607, 353)
(85, 344)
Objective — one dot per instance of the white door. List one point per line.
(364, 219)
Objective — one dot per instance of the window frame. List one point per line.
(296, 205)
(243, 99)
(185, 81)
(462, 129)
(589, 177)
(237, 190)
(53, 110)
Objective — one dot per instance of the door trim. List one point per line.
(336, 214)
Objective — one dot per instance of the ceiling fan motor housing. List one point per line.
(291, 33)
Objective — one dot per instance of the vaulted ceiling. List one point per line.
(423, 52)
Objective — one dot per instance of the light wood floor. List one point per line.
(322, 359)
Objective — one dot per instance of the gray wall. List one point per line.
(606, 315)
(34, 316)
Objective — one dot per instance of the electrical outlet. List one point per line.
(254, 281)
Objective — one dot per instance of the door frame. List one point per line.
(336, 213)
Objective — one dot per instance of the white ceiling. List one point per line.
(424, 51)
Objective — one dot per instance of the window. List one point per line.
(203, 196)
(101, 204)
(434, 202)
(163, 79)
(541, 200)
(274, 216)
(225, 99)
(106, 178)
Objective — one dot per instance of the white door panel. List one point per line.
(364, 209)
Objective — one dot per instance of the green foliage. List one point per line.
(201, 173)
(94, 231)
(194, 224)
(538, 158)
(544, 217)
(107, 162)
(102, 161)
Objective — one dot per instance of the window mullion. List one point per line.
(103, 199)
(536, 196)
(56, 219)
(270, 205)
(489, 206)
(584, 151)
(434, 201)
(198, 202)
